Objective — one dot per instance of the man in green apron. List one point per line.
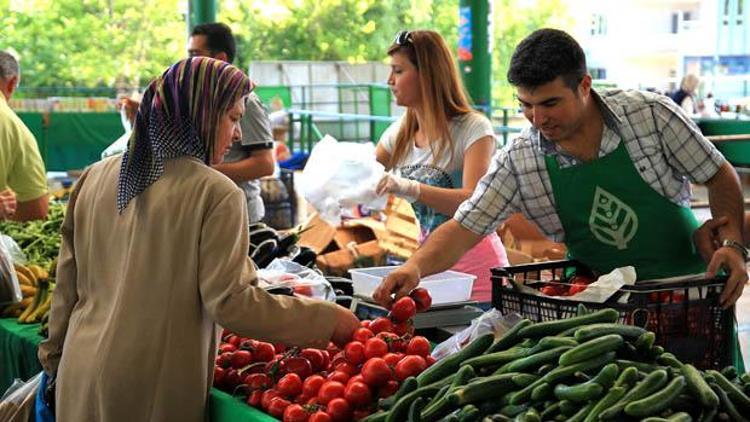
(607, 172)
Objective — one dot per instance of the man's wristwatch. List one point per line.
(739, 247)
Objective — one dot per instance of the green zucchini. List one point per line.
(450, 364)
(658, 401)
(550, 328)
(591, 348)
(699, 387)
(653, 382)
(510, 337)
(598, 330)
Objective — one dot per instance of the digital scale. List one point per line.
(438, 316)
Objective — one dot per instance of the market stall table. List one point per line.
(18, 348)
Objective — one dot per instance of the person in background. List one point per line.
(154, 256)
(608, 172)
(251, 158)
(685, 96)
(437, 152)
(23, 180)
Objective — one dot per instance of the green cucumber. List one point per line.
(545, 368)
(551, 342)
(737, 396)
(440, 404)
(727, 405)
(641, 366)
(729, 372)
(407, 386)
(450, 364)
(468, 413)
(550, 410)
(581, 310)
(670, 360)
(549, 328)
(568, 408)
(400, 409)
(627, 378)
(534, 361)
(561, 372)
(523, 380)
(542, 392)
(645, 342)
(497, 358)
(650, 384)
(614, 395)
(708, 415)
(530, 415)
(513, 410)
(598, 330)
(591, 348)
(510, 337)
(415, 408)
(699, 387)
(485, 388)
(607, 375)
(581, 414)
(579, 393)
(658, 401)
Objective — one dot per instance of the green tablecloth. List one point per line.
(18, 345)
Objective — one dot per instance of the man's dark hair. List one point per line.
(543, 56)
(219, 38)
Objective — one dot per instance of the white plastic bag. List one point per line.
(18, 403)
(121, 144)
(341, 175)
(304, 281)
(10, 290)
(491, 321)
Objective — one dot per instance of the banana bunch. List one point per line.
(37, 294)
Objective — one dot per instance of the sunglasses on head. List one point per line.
(403, 38)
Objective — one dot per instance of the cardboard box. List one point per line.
(523, 241)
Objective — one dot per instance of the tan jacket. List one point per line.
(133, 320)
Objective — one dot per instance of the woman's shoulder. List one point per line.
(472, 121)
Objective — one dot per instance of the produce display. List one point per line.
(267, 244)
(38, 239)
(585, 368)
(381, 361)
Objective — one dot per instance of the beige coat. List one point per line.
(132, 328)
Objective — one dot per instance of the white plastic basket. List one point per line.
(446, 287)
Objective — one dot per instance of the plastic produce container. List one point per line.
(446, 287)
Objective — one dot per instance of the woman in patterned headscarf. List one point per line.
(154, 254)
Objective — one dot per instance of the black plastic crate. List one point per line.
(685, 316)
(279, 200)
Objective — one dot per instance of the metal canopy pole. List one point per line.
(475, 50)
(200, 11)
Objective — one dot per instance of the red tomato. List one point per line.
(317, 360)
(268, 395)
(418, 346)
(422, 299)
(311, 385)
(339, 409)
(388, 389)
(277, 406)
(375, 348)
(365, 323)
(347, 367)
(356, 378)
(409, 366)
(241, 358)
(381, 324)
(392, 358)
(264, 352)
(430, 360)
(319, 416)
(231, 379)
(376, 372)
(254, 398)
(279, 348)
(289, 385)
(577, 286)
(299, 366)
(362, 335)
(404, 309)
(329, 391)
(358, 394)
(339, 376)
(303, 290)
(403, 328)
(338, 359)
(218, 376)
(354, 352)
(249, 344)
(224, 360)
(295, 413)
(233, 340)
(553, 290)
(258, 381)
(227, 347)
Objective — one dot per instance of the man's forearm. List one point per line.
(725, 199)
(258, 165)
(444, 248)
(35, 209)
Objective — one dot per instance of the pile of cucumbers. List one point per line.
(585, 368)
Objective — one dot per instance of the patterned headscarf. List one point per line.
(178, 116)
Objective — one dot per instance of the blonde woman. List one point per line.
(685, 96)
(437, 152)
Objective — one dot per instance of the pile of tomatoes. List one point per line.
(575, 285)
(312, 385)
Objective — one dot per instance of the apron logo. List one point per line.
(611, 221)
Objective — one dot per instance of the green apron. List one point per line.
(613, 218)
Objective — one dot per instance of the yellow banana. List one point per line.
(39, 298)
(41, 310)
(38, 271)
(22, 269)
(23, 280)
